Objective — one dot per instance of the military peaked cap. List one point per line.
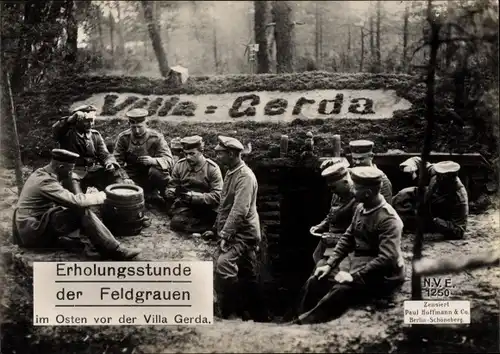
(84, 108)
(444, 167)
(226, 143)
(366, 175)
(61, 155)
(137, 115)
(335, 172)
(361, 147)
(191, 142)
(175, 143)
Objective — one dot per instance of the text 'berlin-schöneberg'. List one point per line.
(122, 272)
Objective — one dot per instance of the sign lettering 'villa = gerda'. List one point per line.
(255, 106)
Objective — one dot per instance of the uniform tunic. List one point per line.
(377, 265)
(94, 155)
(206, 180)
(41, 199)
(152, 143)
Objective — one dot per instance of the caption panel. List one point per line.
(437, 312)
(122, 293)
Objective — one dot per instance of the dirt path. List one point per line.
(361, 330)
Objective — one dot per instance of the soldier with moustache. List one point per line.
(195, 189)
(145, 155)
(95, 166)
(377, 266)
(47, 213)
(446, 204)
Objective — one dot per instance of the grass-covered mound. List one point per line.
(38, 110)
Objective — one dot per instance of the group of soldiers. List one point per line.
(360, 249)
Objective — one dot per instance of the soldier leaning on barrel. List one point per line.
(195, 189)
(362, 155)
(446, 205)
(95, 165)
(377, 265)
(238, 228)
(145, 155)
(47, 213)
(341, 210)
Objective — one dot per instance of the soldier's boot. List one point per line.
(103, 240)
(227, 297)
(256, 306)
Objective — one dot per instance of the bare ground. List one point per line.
(374, 328)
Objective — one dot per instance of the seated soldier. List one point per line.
(145, 155)
(446, 205)
(362, 155)
(176, 148)
(377, 266)
(196, 189)
(95, 165)
(47, 213)
(341, 210)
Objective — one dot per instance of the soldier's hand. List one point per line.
(146, 160)
(326, 163)
(208, 235)
(76, 116)
(128, 181)
(322, 271)
(170, 193)
(343, 277)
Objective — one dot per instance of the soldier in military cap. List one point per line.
(238, 228)
(362, 155)
(195, 189)
(95, 165)
(446, 202)
(341, 208)
(377, 266)
(176, 147)
(47, 213)
(145, 155)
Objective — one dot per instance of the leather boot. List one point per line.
(103, 240)
(257, 307)
(226, 296)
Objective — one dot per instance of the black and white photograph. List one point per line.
(249, 176)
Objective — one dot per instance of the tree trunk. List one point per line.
(261, 19)
(214, 44)
(72, 32)
(317, 17)
(378, 50)
(348, 55)
(361, 61)
(121, 36)
(372, 38)
(283, 33)
(99, 29)
(112, 35)
(449, 46)
(161, 56)
(416, 285)
(9, 110)
(405, 36)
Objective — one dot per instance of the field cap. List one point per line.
(226, 143)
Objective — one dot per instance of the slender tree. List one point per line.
(283, 33)
(406, 17)
(261, 20)
(161, 56)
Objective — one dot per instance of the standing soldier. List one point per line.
(377, 265)
(95, 166)
(176, 147)
(446, 204)
(145, 155)
(47, 213)
(195, 189)
(238, 227)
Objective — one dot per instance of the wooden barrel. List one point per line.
(123, 210)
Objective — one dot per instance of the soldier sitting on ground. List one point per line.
(95, 165)
(341, 210)
(195, 189)
(446, 205)
(47, 213)
(377, 266)
(145, 155)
